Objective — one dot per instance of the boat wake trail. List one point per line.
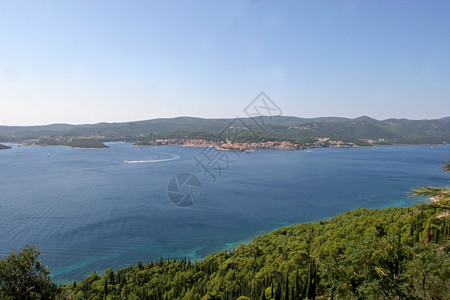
(173, 157)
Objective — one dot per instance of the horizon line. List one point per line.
(219, 118)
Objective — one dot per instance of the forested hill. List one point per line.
(393, 130)
(396, 253)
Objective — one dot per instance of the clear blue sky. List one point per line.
(92, 61)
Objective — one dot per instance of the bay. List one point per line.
(87, 210)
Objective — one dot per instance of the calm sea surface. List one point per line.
(87, 211)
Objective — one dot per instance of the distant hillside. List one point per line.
(397, 131)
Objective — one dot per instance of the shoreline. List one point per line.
(229, 246)
(282, 149)
(220, 148)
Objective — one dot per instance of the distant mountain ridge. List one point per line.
(364, 127)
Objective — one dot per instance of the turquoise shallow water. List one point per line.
(86, 210)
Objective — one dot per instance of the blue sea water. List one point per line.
(87, 211)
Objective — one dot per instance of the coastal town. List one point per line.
(226, 145)
(263, 145)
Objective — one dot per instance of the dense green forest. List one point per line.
(393, 131)
(378, 254)
(75, 143)
(395, 253)
(86, 143)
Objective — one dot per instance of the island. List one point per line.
(87, 143)
(71, 141)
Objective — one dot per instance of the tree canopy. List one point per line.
(22, 276)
